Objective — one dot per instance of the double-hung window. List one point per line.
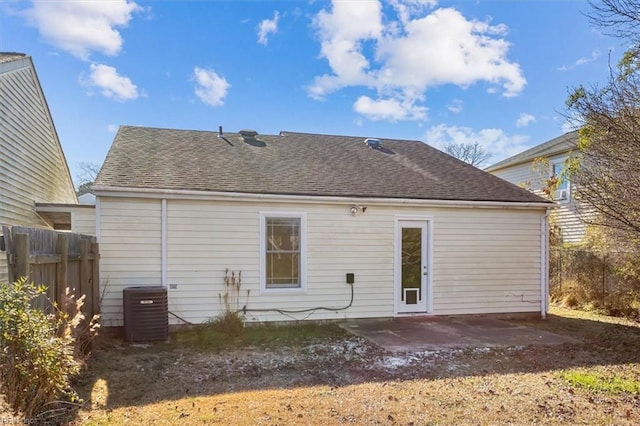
(562, 192)
(283, 257)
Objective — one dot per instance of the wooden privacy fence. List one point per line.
(58, 260)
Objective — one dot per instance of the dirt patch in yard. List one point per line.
(338, 378)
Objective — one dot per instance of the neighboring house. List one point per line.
(531, 168)
(33, 169)
(421, 232)
(78, 217)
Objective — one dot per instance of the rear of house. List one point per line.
(321, 227)
(532, 167)
(32, 165)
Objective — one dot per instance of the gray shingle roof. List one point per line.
(10, 56)
(564, 143)
(295, 164)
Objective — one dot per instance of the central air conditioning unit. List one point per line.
(146, 313)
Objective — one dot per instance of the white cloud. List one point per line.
(569, 126)
(112, 128)
(80, 27)
(341, 44)
(524, 120)
(498, 143)
(586, 59)
(581, 61)
(268, 27)
(455, 106)
(389, 109)
(408, 8)
(111, 84)
(210, 87)
(570, 122)
(400, 59)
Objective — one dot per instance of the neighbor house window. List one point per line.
(283, 251)
(562, 189)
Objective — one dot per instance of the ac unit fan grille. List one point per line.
(146, 313)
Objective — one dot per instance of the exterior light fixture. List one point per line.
(356, 208)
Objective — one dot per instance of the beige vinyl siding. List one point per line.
(485, 260)
(209, 237)
(568, 219)
(32, 166)
(4, 272)
(567, 216)
(521, 175)
(130, 251)
(83, 220)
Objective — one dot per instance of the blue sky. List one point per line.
(494, 72)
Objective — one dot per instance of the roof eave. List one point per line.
(500, 166)
(127, 192)
(537, 152)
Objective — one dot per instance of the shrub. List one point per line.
(230, 321)
(601, 274)
(39, 354)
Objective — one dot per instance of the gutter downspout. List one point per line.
(544, 259)
(163, 242)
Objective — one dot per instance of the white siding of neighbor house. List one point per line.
(567, 217)
(484, 260)
(83, 220)
(32, 165)
(521, 175)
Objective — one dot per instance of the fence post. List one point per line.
(21, 242)
(604, 279)
(85, 281)
(95, 278)
(62, 282)
(10, 253)
(560, 255)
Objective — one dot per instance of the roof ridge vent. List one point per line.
(373, 143)
(248, 133)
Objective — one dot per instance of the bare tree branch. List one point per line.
(88, 172)
(607, 177)
(619, 18)
(86, 176)
(472, 153)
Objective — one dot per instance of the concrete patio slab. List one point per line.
(415, 334)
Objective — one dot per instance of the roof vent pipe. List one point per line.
(373, 143)
(220, 134)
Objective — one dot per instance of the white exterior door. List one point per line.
(412, 279)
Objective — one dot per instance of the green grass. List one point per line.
(209, 337)
(599, 382)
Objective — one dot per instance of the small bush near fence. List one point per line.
(40, 353)
(588, 277)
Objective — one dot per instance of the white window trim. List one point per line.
(303, 252)
(561, 162)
